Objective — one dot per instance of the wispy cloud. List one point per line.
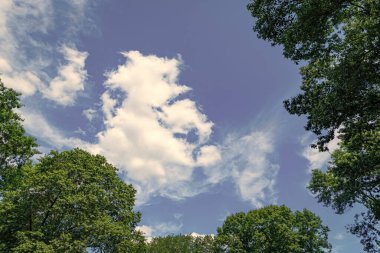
(90, 113)
(30, 65)
(64, 88)
(247, 159)
(52, 137)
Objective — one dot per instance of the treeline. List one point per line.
(266, 230)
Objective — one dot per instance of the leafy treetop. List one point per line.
(273, 229)
(69, 202)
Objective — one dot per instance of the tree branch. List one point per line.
(50, 207)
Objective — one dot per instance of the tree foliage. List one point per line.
(181, 243)
(273, 229)
(15, 146)
(338, 44)
(69, 202)
(353, 176)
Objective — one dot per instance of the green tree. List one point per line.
(273, 229)
(69, 202)
(338, 44)
(352, 177)
(181, 244)
(16, 148)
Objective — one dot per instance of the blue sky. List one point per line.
(180, 95)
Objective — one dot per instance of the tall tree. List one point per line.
(273, 229)
(353, 176)
(338, 44)
(69, 202)
(15, 146)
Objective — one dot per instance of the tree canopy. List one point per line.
(69, 202)
(338, 45)
(15, 146)
(353, 176)
(273, 229)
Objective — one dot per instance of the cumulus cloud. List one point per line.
(160, 140)
(147, 127)
(26, 63)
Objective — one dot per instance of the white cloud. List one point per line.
(195, 235)
(208, 155)
(27, 63)
(64, 88)
(146, 231)
(78, 15)
(38, 126)
(173, 116)
(157, 139)
(247, 159)
(316, 159)
(17, 21)
(78, 4)
(5, 67)
(25, 82)
(160, 140)
(142, 127)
